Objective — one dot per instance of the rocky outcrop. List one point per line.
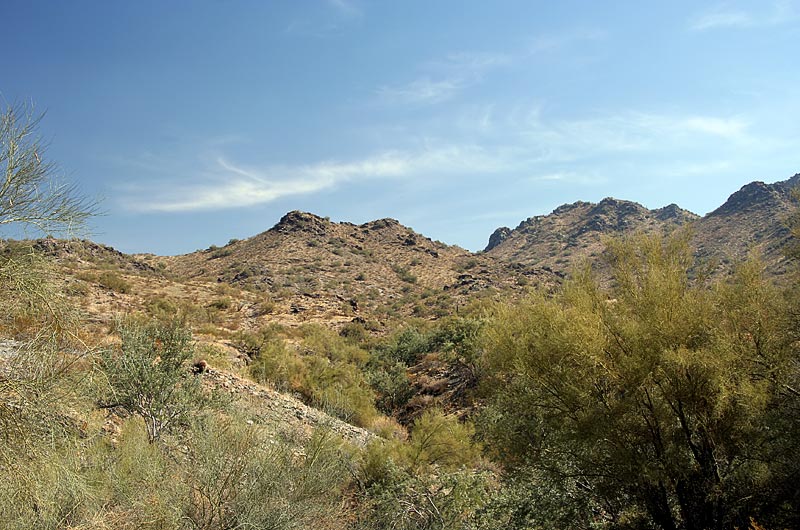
(497, 237)
(297, 221)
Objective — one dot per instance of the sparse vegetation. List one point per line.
(652, 395)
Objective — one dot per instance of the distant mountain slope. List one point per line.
(574, 232)
(752, 219)
(382, 265)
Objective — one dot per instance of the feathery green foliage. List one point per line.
(30, 194)
(651, 401)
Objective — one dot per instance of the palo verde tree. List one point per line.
(31, 193)
(33, 306)
(650, 404)
(32, 197)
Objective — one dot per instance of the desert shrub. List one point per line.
(221, 304)
(389, 380)
(404, 274)
(265, 306)
(220, 253)
(406, 346)
(237, 479)
(437, 441)
(214, 355)
(144, 487)
(354, 333)
(340, 389)
(441, 440)
(324, 368)
(162, 308)
(459, 339)
(278, 365)
(427, 482)
(113, 281)
(81, 482)
(469, 264)
(323, 341)
(77, 288)
(38, 382)
(439, 501)
(46, 491)
(147, 375)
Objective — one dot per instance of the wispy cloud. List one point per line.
(731, 128)
(526, 147)
(334, 18)
(346, 7)
(568, 177)
(723, 16)
(442, 79)
(422, 90)
(721, 19)
(231, 185)
(626, 132)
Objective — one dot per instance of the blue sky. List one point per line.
(200, 121)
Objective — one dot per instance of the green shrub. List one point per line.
(162, 308)
(221, 304)
(147, 375)
(404, 274)
(428, 482)
(115, 282)
(238, 480)
(389, 380)
(323, 341)
(277, 365)
(220, 253)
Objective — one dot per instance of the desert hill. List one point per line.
(310, 265)
(752, 220)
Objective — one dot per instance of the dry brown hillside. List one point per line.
(574, 232)
(752, 220)
(309, 265)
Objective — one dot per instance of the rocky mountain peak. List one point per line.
(616, 207)
(297, 221)
(565, 208)
(497, 237)
(754, 195)
(673, 212)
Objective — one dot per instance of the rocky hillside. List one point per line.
(751, 220)
(574, 232)
(312, 266)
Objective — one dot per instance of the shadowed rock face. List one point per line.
(756, 195)
(751, 220)
(497, 237)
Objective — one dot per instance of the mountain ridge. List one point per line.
(751, 219)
